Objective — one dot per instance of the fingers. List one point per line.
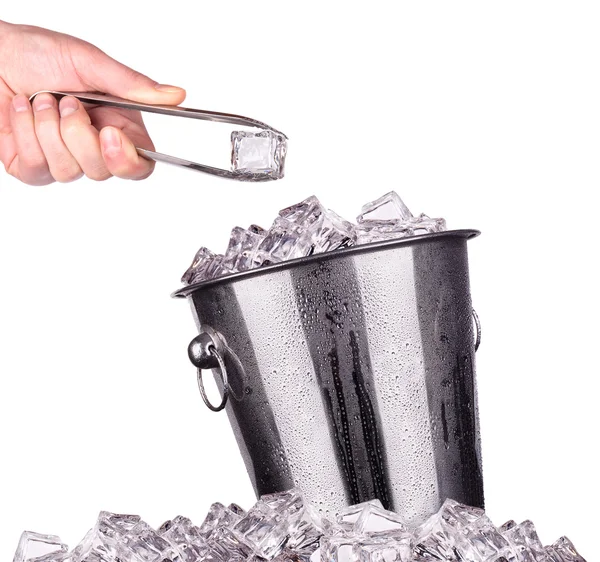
(81, 139)
(48, 127)
(121, 157)
(29, 163)
(54, 141)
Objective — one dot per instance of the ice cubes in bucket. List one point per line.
(305, 229)
(283, 527)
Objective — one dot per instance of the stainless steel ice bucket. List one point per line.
(351, 374)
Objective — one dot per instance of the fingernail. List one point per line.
(111, 141)
(167, 89)
(67, 106)
(20, 103)
(42, 102)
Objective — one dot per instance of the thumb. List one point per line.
(104, 74)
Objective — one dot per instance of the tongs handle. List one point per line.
(113, 101)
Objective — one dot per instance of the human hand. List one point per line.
(47, 141)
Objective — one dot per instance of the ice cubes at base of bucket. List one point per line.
(219, 516)
(258, 154)
(264, 529)
(40, 548)
(562, 551)
(282, 527)
(524, 540)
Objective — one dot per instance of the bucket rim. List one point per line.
(186, 291)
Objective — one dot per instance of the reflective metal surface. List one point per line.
(358, 377)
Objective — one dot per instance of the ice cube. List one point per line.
(227, 546)
(434, 540)
(284, 241)
(524, 541)
(563, 551)
(201, 259)
(181, 533)
(97, 547)
(388, 207)
(376, 521)
(261, 153)
(394, 548)
(218, 516)
(255, 229)
(305, 213)
(236, 509)
(347, 518)
(332, 232)
(338, 549)
(148, 546)
(305, 525)
(378, 231)
(211, 268)
(459, 516)
(243, 244)
(264, 529)
(485, 544)
(41, 548)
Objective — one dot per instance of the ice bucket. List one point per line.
(351, 374)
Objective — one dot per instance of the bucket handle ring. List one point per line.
(206, 351)
(477, 329)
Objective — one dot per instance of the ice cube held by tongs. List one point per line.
(255, 157)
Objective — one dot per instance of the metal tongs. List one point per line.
(113, 101)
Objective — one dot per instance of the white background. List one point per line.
(485, 113)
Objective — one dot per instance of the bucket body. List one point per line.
(354, 376)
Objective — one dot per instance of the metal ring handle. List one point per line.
(223, 373)
(478, 329)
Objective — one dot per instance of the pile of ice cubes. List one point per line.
(309, 228)
(284, 528)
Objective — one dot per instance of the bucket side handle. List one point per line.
(207, 351)
(477, 329)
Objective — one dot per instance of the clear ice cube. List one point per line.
(227, 546)
(243, 245)
(201, 259)
(434, 540)
(458, 516)
(375, 521)
(181, 533)
(218, 516)
(524, 541)
(338, 549)
(41, 548)
(211, 268)
(261, 153)
(255, 229)
(284, 241)
(388, 207)
(148, 546)
(563, 551)
(332, 232)
(264, 529)
(348, 517)
(394, 548)
(305, 213)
